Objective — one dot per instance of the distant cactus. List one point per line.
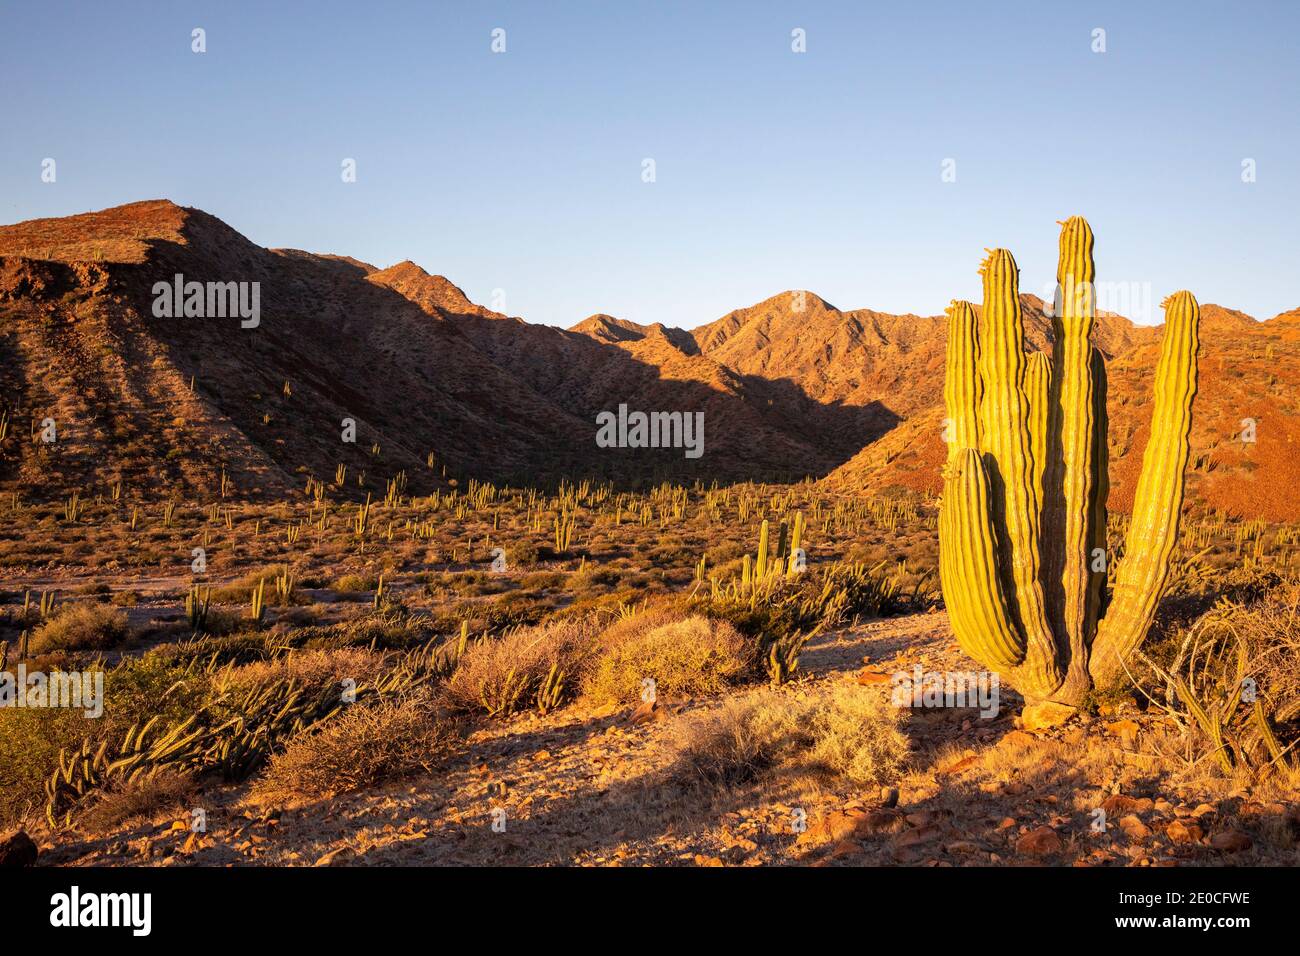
(1023, 519)
(257, 606)
(198, 601)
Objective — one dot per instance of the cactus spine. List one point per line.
(1024, 511)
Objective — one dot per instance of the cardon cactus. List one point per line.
(1022, 526)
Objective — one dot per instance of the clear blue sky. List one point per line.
(522, 171)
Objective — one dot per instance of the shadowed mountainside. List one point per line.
(790, 387)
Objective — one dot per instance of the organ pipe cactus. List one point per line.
(1022, 526)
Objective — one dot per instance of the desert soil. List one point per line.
(584, 787)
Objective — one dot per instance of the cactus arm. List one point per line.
(1004, 429)
(968, 566)
(1158, 500)
(963, 393)
(1068, 513)
(968, 560)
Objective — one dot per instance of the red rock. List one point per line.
(1119, 803)
(1045, 715)
(1180, 832)
(1231, 841)
(1041, 842)
(867, 676)
(17, 849)
(916, 836)
(1134, 828)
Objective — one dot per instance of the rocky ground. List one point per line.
(582, 787)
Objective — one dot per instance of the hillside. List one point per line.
(790, 387)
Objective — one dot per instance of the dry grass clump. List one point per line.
(530, 665)
(311, 668)
(364, 746)
(241, 590)
(846, 732)
(145, 796)
(684, 656)
(81, 627)
(1233, 678)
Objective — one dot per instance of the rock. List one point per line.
(1180, 832)
(834, 826)
(844, 849)
(957, 766)
(1045, 715)
(17, 849)
(646, 712)
(702, 860)
(878, 821)
(1041, 842)
(1203, 810)
(867, 676)
(1231, 841)
(916, 836)
(1119, 803)
(340, 857)
(1134, 828)
(1126, 731)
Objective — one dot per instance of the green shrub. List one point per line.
(81, 627)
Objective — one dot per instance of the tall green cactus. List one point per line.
(1022, 527)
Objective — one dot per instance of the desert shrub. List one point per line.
(591, 575)
(685, 656)
(502, 675)
(81, 627)
(361, 747)
(540, 580)
(241, 590)
(353, 583)
(31, 738)
(1202, 670)
(312, 669)
(849, 733)
(230, 649)
(30, 741)
(144, 796)
(523, 553)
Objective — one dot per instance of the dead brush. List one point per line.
(365, 746)
(525, 667)
(1233, 686)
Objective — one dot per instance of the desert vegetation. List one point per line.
(389, 643)
(398, 650)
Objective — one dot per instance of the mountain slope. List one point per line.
(790, 387)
